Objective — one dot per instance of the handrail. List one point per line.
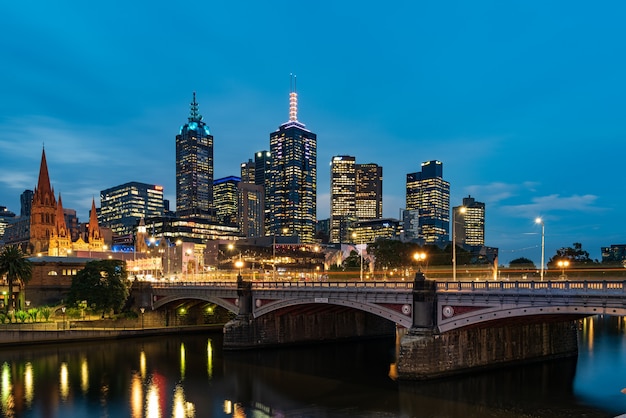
(441, 286)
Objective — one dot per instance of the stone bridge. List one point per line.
(457, 304)
(449, 327)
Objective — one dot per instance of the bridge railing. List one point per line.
(582, 285)
(400, 285)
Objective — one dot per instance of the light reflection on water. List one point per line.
(190, 376)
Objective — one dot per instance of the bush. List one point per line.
(45, 311)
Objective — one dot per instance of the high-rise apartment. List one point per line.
(248, 172)
(251, 209)
(369, 191)
(343, 180)
(225, 199)
(470, 222)
(194, 167)
(429, 194)
(262, 170)
(293, 178)
(121, 207)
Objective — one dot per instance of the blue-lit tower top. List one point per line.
(194, 167)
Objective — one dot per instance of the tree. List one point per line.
(103, 284)
(17, 268)
(523, 263)
(576, 256)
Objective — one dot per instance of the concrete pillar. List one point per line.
(244, 291)
(424, 303)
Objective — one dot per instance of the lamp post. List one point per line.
(563, 264)
(142, 312)
(419, 257)
(63, 310)
(461, 209)
(543, 243)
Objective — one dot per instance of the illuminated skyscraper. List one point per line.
(342, 197)
(225, 199)
(194, 167)
(293, 178)
(470, 222)
(262, 170)
(121, 207)
(429, 194)
(248, 172)
(369, 191)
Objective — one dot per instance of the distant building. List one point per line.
(342, 197)
(367, 232)
(293, 186)
(615, 254)
(429, 194)
(5, 216)
(121, 207)
(369, 191)
(262, 170)
(470, 223)
(26, 201)
(225, 199)
(248, 172)
(194, 167)
(251, 209)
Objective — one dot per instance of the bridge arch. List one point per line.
(402, 318)
(165, 300)
(448, 321)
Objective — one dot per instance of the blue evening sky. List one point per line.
(522, 101)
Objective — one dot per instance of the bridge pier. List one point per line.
(425, 353)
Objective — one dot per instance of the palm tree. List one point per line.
(16, 267)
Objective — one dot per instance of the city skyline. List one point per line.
(522, 104)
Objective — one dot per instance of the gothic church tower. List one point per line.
(43, 211)
(61, 240)
(94, 235)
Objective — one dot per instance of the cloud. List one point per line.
(553, 203)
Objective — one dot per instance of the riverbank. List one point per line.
(51, 333)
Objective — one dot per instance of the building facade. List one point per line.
(293, 178)
(194, 167)
(121, 207)
(342, 197)
(470, 222)
(429, 194)
(251, 210)
(369, 191)
(225, 199)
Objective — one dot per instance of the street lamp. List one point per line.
(419, 257)
(63, 310)
(543, 243)
(142, 312)
(563, 264)
(460, 209)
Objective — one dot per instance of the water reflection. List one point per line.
(188, 376)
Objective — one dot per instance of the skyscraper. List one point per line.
(293, 178)
(262, 170)
(342, 197)
(225, 199)
(248, 172)
(369, 191)
(470, 222)
(194, 167)
(121, 207)
(429, 194)
(251, 209)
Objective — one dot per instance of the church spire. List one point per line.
(44, 190)
(94, 229)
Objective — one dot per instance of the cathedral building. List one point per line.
(49, 234)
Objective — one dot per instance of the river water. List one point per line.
(190, 376)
